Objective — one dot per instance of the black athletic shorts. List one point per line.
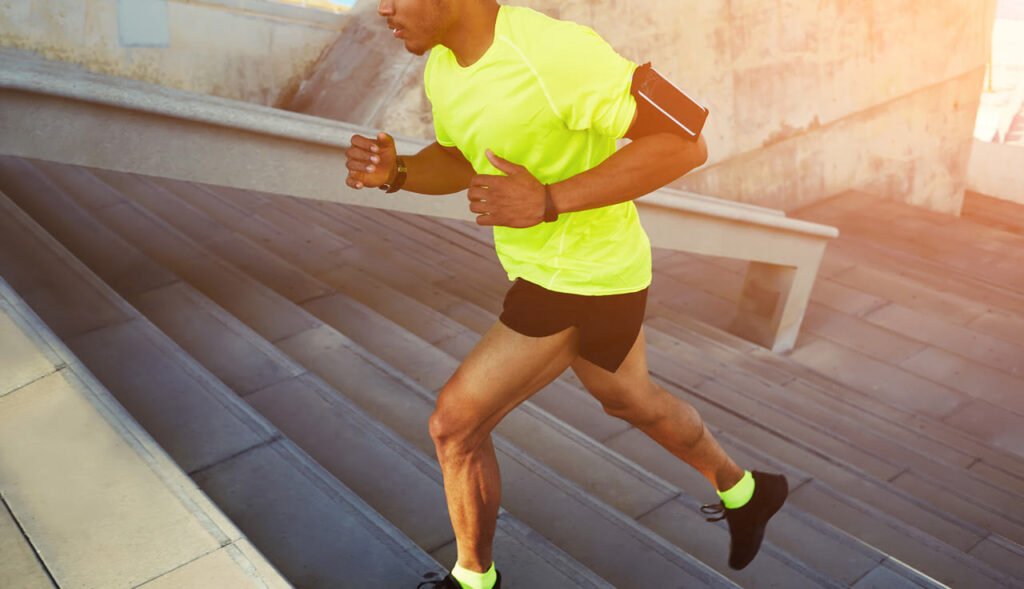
(608, 324)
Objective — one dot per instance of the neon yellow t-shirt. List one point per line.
(552, 96)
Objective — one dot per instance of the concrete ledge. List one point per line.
(79, 472)
(56, 113)
(22, 72)
(276, 10)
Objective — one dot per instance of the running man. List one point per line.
(527, 110)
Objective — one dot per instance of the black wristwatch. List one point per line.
(399, 180)
(550, 214)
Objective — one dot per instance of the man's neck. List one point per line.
(473, 35)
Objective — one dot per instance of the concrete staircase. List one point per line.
(332, 327)
(296, 509)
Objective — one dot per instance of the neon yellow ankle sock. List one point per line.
(474, 580)
(740, 493)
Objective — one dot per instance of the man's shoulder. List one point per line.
(550, 43)
(530, 15)
(532, 27)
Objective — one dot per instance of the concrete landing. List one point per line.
(89, 499)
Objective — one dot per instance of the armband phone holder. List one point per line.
(668, 108)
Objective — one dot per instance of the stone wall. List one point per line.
(250, 50)
(808, 98)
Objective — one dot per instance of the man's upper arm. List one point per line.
(645, 121)
(632, 124)
(455, 152)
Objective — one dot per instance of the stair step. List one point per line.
(655, 282)
(999, 214)
(893, 472)
(335, 310)
(635, 495)
(237, 459)
(970, 249)
(926, 275)
(831, 402)
(951, 488)
(61, 428)
(982, 349)
(450, 336)
(218, 339)
(967, 540)
(352, 277)
(757, 360)
(972, 365)
(661, 559)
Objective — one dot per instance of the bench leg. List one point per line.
(773, 303)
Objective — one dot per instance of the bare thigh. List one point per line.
(504, 369)
(627, 393)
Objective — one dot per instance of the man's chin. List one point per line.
(415, 49)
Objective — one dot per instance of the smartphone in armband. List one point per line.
(673, 109)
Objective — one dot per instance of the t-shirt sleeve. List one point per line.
(439, 132)
(588, 81)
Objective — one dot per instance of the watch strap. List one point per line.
(400, 175)
(550, 213)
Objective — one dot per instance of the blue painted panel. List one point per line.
(143, 23)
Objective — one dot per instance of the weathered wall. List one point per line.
(250, 50)
(808, 97)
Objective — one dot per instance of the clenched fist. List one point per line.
(371, 162)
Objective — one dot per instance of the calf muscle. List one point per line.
(674, 424)
(503, 370)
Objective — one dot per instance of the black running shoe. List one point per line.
(449, 582)
(747, 523)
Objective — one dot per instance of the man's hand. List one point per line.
(370, 162)
(515, 200)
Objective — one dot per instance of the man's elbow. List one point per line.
(700, 153)
(682, 154)
(694, 154)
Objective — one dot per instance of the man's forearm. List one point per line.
(432, 171)
(639, 168)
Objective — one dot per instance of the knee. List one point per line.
(636, 415)
(640, 411)
(454, 433)
(444, 429)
